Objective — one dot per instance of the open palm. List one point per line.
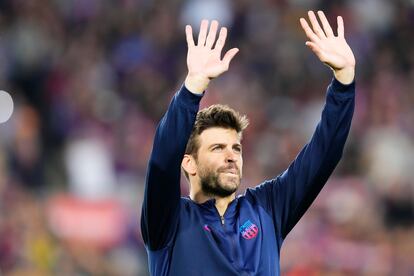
(204, 60)
(330, 49)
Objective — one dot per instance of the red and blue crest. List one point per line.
(249, 230)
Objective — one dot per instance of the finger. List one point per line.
(189, 36)
(203, 32)
(212, 33)
(308, 31)
(314, 47)
(315, 25)
(229, 56)
(316, 50)
(326, 27)
(221, 39)
(340, 26)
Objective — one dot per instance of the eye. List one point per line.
(217, 148)
(237, 149)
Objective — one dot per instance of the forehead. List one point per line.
(218, 135)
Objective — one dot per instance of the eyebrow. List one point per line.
(216, 144)
(222, 145)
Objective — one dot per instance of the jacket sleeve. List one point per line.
(161, 205)
(288, 196)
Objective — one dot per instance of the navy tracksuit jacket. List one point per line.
(184, 238)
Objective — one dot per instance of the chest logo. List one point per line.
(249, 230)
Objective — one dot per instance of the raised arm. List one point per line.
(161, 206)
(289, 195)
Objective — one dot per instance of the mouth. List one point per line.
(230, 174)
(232, 171)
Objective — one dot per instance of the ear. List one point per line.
(189, 165)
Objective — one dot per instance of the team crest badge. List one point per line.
(249, 230)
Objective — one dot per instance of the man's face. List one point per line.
(219, 161)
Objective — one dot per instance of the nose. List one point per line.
(230, 156)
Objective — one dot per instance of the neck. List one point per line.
(221, 202)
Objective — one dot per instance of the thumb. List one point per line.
(229, 56)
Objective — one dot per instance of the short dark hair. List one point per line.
(216, 115)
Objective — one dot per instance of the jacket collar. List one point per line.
(209, 210)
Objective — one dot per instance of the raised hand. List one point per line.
(203, 60)
(332, 50)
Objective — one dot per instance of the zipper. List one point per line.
(221, 216)
(235, 253)
(233, 244)
(222, 220)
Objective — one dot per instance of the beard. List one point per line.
(214, 185)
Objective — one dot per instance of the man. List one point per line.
(213, 232)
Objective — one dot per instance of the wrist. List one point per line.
(196, 84)
(345, 75)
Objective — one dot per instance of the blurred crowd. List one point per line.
(90, 79)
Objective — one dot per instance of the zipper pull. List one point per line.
(222, 220)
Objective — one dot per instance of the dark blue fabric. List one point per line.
(186, 238)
